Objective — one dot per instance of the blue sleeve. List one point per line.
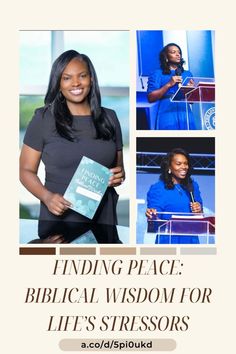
(186, 74)
(197, 193)
(189, 73)
(154, 81)
(155, 198)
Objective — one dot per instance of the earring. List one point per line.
(166, 60)
(169, 171)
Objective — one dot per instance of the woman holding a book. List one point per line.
(72, 124)
(163, 84)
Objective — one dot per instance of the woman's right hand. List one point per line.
(160, 92)
(150, 212)
(55, 203)
(175, 80)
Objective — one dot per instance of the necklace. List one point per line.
(179, 189)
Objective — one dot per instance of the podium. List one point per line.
(201, 95)
(188, 228)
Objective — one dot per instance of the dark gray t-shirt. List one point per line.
(61, 156)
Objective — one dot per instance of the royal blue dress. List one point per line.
(170, 115)
(176, 200)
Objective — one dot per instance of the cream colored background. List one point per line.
(212, 327)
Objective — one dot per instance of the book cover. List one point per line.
(87, 187)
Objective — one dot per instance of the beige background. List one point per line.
(211, 326)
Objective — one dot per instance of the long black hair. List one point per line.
(164, 63)
(166, 177)
(56, 101)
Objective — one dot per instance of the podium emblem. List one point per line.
(209, 118)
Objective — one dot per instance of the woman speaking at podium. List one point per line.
(72, 124)
(175, 192)
(163, 84)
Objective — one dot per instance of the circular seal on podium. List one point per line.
(209, 118)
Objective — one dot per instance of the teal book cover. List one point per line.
(87, 187)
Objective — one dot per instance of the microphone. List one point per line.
(178, 72)
(189, 188)
(143, 87)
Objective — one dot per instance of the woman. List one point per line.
(175, 192)
(72, 124)
(162, 85)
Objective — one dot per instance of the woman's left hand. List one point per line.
(118, 176)
(196, 207)
(191, 83)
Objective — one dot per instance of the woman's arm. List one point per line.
(159, 93)
(29, 163)
(155, 201)
(118, 171)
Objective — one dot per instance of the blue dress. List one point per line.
(176, 200)
(170, 115)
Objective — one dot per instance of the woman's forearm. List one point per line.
(33, 184)
(55, 202)
(29, 163)
(159, 93)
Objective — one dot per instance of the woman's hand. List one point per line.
(190, 83)
(175, 80)
(159, 93)
(55, 203)
(118, 176)
(150, 213)
(54, 239)
(50, 239)
(196, 207)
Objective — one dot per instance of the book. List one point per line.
(87, 187)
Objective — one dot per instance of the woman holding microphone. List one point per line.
(163, 84)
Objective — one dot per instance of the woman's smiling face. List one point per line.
(75, 81)
(179, 167)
